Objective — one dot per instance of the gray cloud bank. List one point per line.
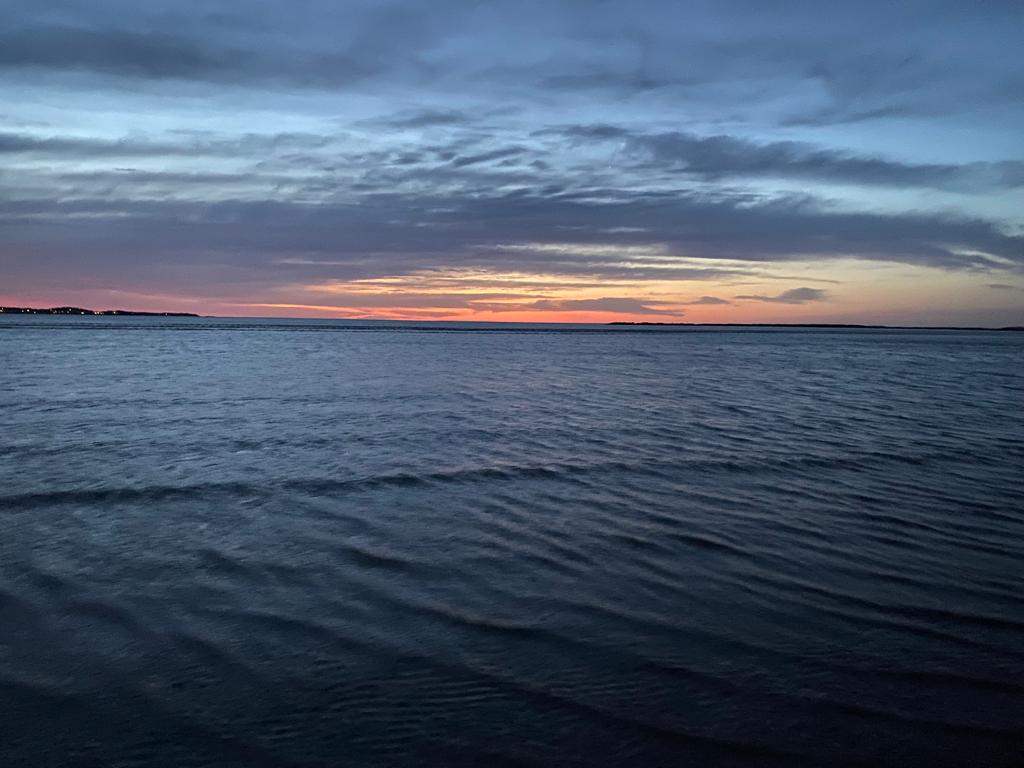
(603, 142)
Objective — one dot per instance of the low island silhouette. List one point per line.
(837, 326)
(83, 311)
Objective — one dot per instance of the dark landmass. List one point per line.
(758, 325)
(81, 311)
(828, 325)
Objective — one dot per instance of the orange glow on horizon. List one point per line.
(839, 292)
(724, 314)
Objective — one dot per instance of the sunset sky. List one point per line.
(579, 161)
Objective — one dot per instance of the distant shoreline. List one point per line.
(509, 325)
(837, 326)
(83, 311)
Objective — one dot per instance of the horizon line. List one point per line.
(73, 311)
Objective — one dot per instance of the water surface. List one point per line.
(319, 543)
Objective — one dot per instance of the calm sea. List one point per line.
(315, 543)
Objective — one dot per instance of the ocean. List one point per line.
(320, 543)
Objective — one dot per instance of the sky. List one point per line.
(535, 160)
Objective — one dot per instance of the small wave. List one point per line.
(548, 470)
(703, 542)
(375, 557)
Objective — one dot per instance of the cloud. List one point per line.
(623, 82)
(708, 301)
(149, 54)
(486, 157)
(324, 48)
(840, 115)
(425, 118)
(722, 156)
(593, 132)
(792, 296)
(612, 304)
(243, 145)
(399, 233)
(714, 58)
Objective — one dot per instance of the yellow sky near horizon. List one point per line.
(853, 291)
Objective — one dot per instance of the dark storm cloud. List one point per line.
(792, 296)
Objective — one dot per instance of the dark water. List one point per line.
(284, 544)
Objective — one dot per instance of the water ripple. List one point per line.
(287, 543)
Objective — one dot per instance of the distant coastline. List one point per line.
(511, 326)
(82, 311)
(837, 326)
(763, 325)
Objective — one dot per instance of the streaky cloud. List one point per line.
(717, 157)
(708, 301)
(792, 296)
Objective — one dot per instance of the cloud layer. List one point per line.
(567, 158)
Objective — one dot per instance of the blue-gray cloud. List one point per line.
(614, 304)
(400, 233)
(424, 118)
(150, 54)
(709, 301)
(792, 296)
(721, 156)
